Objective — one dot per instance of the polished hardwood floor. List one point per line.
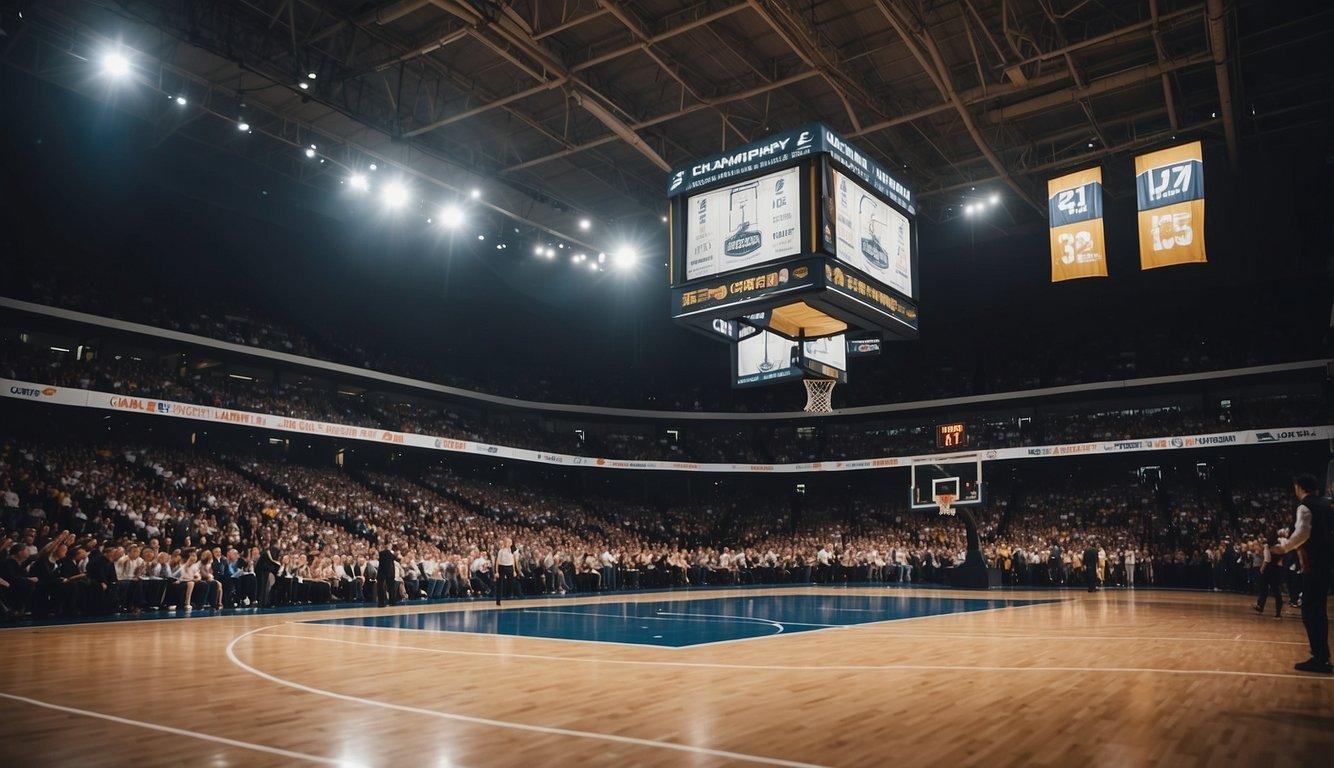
(1114, 678)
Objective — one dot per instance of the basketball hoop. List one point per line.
(944, 500)
(819, 393)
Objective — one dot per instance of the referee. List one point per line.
(504, 567)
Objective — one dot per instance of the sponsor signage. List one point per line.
(147, 406)
(785, 147)
(867, 293)
(745, 287)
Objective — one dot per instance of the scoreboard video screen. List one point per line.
(871, 235)
(743, 224)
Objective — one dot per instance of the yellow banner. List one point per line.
(1074, 210)
(1170, 190)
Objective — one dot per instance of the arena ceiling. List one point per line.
(566, 109)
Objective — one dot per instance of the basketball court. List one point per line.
(791, 677)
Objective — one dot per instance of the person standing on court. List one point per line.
(504, 567)
(1091, 565)
(267, 565)
(386, 586)
(1312, 539)
(1271, 576)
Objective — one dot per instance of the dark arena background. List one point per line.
(831, 383)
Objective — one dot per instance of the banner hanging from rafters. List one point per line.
(1170, 187)
(1074, 210)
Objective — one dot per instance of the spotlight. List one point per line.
(995, 199)
(664, 219)
(585, 223)
(537, 251)
(242, 125)
(475, 193)
(310, 151)
(451, 216)
(481, 237)
(359, 182)
(310, 75)
(593, 265)
(602, 257)
(180, 100)
(551, 252)
(374, 166)
(116, 65)
(623, 257)
(395, 195)
(303, 85)
(968, 210)
(1090, 145)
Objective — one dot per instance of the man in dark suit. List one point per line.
(101, 583)
(386, 584)
(1091, 565)
(266, 572)
(19, 583)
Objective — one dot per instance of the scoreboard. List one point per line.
(798, 234)
(951, 435)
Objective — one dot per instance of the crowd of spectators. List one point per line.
(706, 442)
(121, 529)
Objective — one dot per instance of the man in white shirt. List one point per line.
(505, 568)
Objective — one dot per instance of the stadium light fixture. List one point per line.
(481, 237)
(310, 75)
(968, 210)
(451, 216)
(358, 182)
(475, 193)
(624, 257)
(593, 265)
(116, 65)
(584, 224)
(303, 85)
(242, 125)
(181, 100)
(374, 167)
(551, 252)
(395, 195)
(995, 199)
(310, 151)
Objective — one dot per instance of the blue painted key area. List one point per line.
(682, 623)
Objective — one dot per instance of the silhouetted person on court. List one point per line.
(1314, 542)
(386, 586)
(266, 573)
(1091, 565)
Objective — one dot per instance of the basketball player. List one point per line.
(1312, 539)
(504, 567)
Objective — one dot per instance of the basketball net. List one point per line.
(819, 394)
(944, 501)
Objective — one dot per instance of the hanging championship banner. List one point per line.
(1074, 209)
(1170, 187)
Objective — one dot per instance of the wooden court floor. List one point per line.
(1115, 678)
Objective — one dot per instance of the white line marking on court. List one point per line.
(779, 624)
(174, 731)
(794, 667)
(544, 729)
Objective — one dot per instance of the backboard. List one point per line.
(959, 475)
